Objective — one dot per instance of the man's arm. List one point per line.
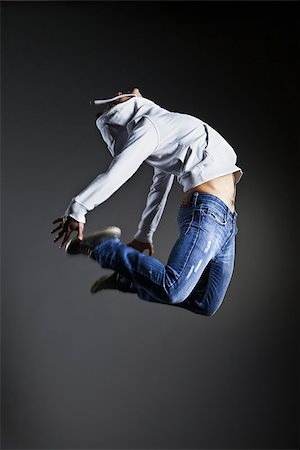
(142, 141)
(155, 204)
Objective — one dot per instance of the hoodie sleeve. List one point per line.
(156, 201)
(142, 141)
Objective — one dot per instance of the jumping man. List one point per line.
(176, 145)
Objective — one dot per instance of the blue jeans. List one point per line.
(200, 265)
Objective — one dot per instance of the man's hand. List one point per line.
(66, 226)
(141, 246)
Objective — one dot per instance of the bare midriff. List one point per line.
(222, 187)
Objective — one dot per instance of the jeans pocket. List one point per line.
(213, 213)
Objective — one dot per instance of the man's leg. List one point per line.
(203, 232)
(210, 291)
(208, 294)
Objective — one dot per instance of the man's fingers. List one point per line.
(59, 236)
(57, 228)
(80, 231)
(66, 238)
(141, 247)
(151, 250)
(59, 219)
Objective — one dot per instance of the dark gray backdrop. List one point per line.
(112, 371)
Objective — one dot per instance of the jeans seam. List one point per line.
(190, 224)
(133, 272)
(194, 243)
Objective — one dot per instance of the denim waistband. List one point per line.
(198, 198)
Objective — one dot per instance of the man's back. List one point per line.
(183, 145)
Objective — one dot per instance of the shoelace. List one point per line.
(86, 249)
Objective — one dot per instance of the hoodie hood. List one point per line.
(114, 124)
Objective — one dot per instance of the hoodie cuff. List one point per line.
(143, 236)
(76, 211)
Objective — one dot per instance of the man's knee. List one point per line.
(208, 310)
(174, 297)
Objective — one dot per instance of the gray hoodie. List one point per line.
(174, 144)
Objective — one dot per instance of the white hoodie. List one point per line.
(174, 144)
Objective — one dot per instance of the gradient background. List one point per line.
(111, 371)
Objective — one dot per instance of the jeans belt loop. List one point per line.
(195, 197)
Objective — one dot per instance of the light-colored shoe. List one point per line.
(87, 245)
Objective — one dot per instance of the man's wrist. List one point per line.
(145, 237)
(142, 242)
(77, 211)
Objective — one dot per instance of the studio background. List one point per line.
(111, 371)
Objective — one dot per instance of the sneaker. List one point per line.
(105, 282)
(87, 245)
